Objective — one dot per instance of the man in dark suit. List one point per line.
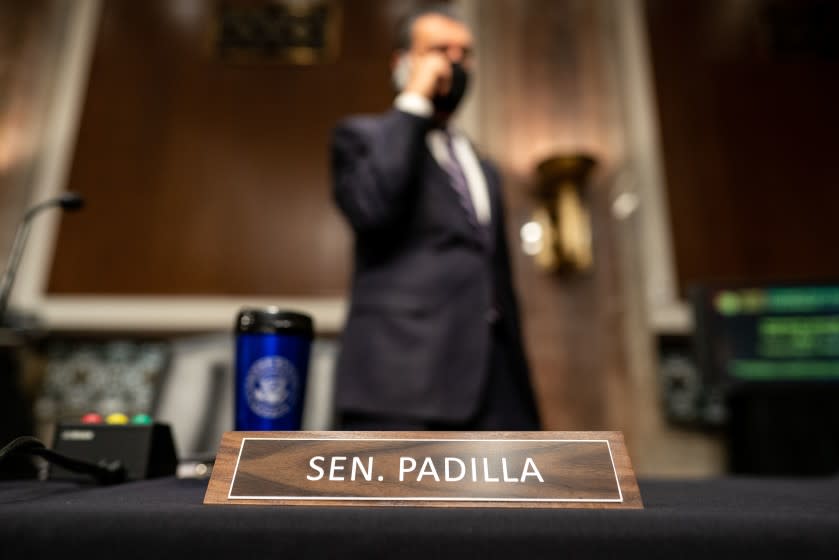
(432, 339)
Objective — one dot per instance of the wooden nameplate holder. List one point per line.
(432, 469)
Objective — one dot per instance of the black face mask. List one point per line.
(448, 103)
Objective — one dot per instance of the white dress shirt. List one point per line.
(416, 104)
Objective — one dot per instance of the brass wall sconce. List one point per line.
(558, 237)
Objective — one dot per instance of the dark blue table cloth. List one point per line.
(165, 518)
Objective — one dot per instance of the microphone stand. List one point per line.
(67, 201)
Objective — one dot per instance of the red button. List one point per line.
(92, 418)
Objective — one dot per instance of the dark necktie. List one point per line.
(459, 183)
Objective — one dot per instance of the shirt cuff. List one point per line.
(414, 103)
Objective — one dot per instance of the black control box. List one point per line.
(146, 451)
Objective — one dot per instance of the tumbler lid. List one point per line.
(271, 320)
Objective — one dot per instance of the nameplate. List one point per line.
(443, 469)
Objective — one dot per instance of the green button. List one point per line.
(144, 419)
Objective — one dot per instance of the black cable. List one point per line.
(106, 472)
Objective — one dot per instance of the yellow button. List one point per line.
(116, 418)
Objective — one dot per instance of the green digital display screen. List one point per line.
(788, 333)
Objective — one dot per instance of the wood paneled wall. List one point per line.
(209, 177)
(747, 103)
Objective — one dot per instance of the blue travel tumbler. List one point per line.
(272, 363)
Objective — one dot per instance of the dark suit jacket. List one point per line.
(426, 282)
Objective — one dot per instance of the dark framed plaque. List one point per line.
(287, 31)
(434, 469)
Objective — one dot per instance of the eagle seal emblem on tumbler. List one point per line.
(272, 363)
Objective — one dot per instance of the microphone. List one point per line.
(71, 201)
(68, 201)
